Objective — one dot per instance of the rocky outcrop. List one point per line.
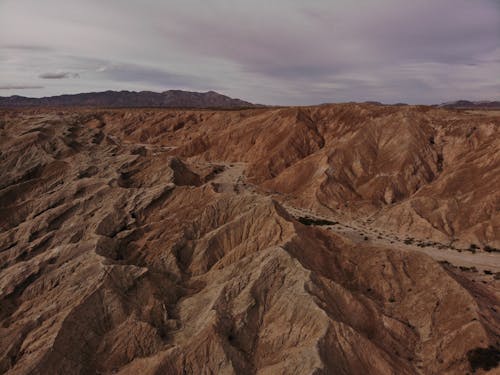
(417, 171)
(119, 254)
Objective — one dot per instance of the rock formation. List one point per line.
(173, 242)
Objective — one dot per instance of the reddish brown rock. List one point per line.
(163, 241)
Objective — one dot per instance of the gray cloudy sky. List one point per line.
(274, 52)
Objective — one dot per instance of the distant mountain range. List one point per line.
(466, 104)
(170, 98)
(174, 99)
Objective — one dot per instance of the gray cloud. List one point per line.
(20, 87)
(147, 75)
(326, 38)
(27, 47)
(284, 52)
(59, 75)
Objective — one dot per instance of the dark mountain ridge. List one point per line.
(467, 104)
(170, 98)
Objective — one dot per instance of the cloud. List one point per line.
(27, 47)
(326, 38)
(283, 52)
(148, 75)
(19, 87)
(59, 75)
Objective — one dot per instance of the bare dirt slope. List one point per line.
(188, 242)
(422, 171)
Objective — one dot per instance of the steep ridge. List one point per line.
(120, 252)
(419, 171)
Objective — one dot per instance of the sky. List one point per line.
(283, 52)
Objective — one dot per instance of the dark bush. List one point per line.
(468, 269)
(483, 358)
(490, 249)
(311, 221)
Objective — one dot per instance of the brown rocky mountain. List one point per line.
(113, 99)
(339, 239)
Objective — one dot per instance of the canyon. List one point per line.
(341, 238)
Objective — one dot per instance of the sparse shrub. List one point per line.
(483, 358)
(468, 269)
(366, 238)
(408, 241)
(311, 221)
(488, 272)
(472, 248)
(491, 249)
